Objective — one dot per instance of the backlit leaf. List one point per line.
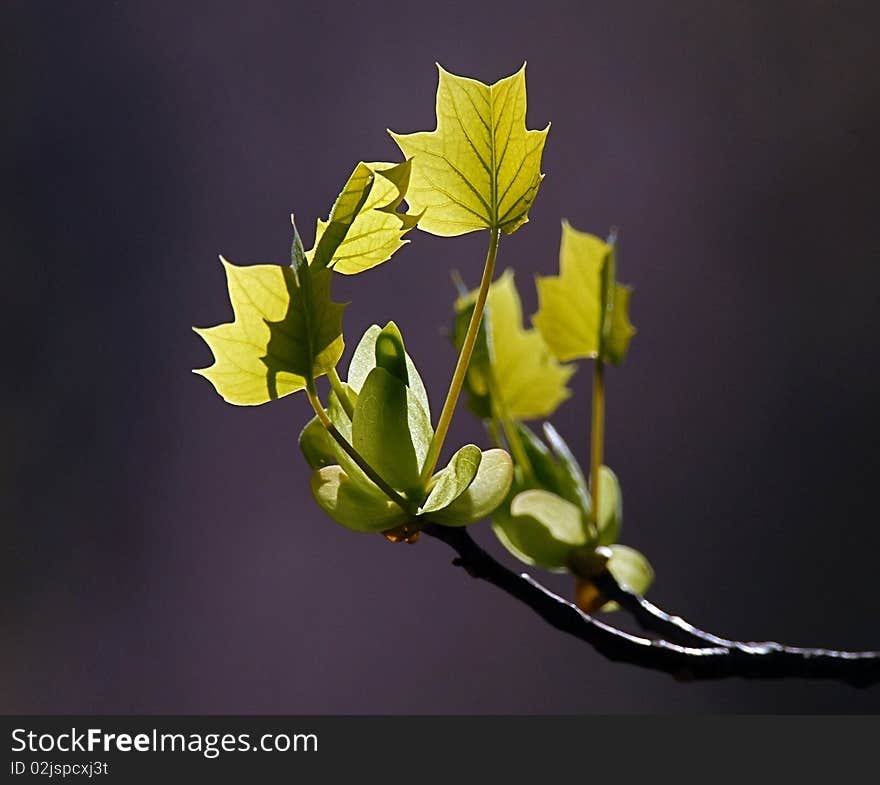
(610, 507)
(365, 228)
(454, 479)
(353, 504)
(285, 329)
(391, 430)
(543, 528)
(480, 168)
(483, 496)
(630, 568)
(583, 311)
(364, 360)
(515, 370)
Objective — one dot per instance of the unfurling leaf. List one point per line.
(583, 311)
(480, 168)
(511, 369)
(363, 360)
(391, 429)
(286, 329)
(365, 228)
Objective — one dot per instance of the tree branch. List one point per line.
(722, 659)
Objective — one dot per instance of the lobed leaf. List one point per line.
(285, 329)
(480, 168)
(583, 311)
(514, 369)
(364, 228)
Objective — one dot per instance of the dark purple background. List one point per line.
(160, 550)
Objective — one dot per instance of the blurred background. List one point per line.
(160, 549)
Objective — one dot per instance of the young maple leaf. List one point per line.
(365, 228)
(512, 369)
(583, 311)
(480, 168)
(286, 330)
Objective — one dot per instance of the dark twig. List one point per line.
(653, 619)
(722, 660)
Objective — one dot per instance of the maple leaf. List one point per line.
(512, 368)
(286, 331)
(364, 228)
(583, 311)
(480, 168)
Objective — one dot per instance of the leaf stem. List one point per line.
(464, 359)
(352, 453)
(516, 446)
(341, 393)
(597, 434)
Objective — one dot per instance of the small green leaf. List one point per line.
(583, 311)
(610, 507)
(453, 480)
(480, 168)
(286, 328)
(573, 485)
(543, 528)
(391, 430)
(483, 496)
(364, 360)
(364, 228)
(390, 353)
(515, 371)
(630, 568)
(353, 504)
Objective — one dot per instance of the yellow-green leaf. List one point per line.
(541, 528)
(480, 168)
(610, 507)
(621, 330)
(363, 360)
(583, 311)
(286, 328)
(454, 479)
(355, 505)
(515, 369)
(630, 568)
(365, 228)
(485, 493)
